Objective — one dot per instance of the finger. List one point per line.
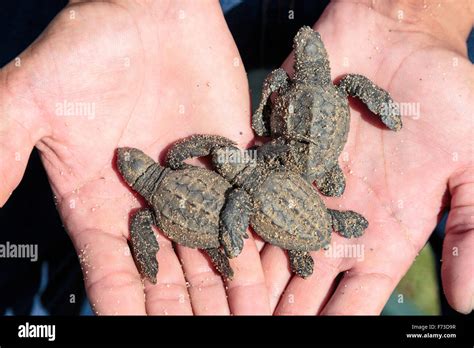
(247, 292)
(97, 217)
(373, 267)
(277, 272)
(111, 279)
(206, 288)
(169, 296)
(360, 294)
(21, 127)
(308, 296)
(458, 264)
(97, 221)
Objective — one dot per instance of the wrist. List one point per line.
(164, 8)
(18, 133)
(447, 21)
(19, 113)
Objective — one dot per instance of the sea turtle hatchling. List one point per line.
(185, 205)
(282, 207)
(311, 114)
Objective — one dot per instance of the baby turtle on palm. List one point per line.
(282, 208)
(311, 115)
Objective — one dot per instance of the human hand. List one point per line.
(401, 182)
(141, 75)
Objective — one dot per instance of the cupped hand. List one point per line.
(401, 182)
(142, 74)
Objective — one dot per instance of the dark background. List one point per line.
(264, 37)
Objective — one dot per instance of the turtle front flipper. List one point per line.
(234, 220)
(348, 223)
(275, 81)
(144, 244)
(377, 99)
(221, 262)
(194, 146)
(332, 183)
(301, 263)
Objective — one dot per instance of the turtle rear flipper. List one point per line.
(301, 263)
(333, 183)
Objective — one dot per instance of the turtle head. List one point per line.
(311, 58)
(137, 169)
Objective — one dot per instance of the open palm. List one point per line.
(400, 182)
(105, 75)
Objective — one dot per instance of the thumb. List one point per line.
(458, 261)
(20, 126)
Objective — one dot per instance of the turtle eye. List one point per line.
(310, 49)
(137, 164)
